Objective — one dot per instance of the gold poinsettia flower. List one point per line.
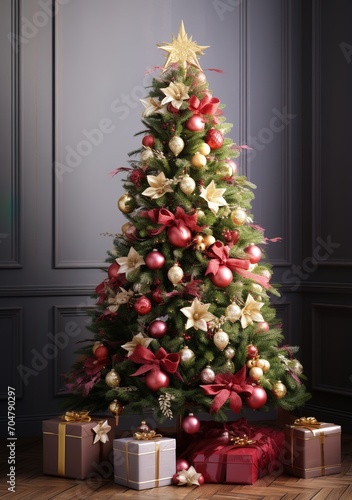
(138, 339)
(175, 93)
(250, 312)
(152, 107)
(213, 196)
(198, 315)
(120, 298)
(131, 262)
(159, 185)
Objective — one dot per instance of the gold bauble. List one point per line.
(126, 203)
(265, 365)
(112, 378)
(126, 227)
(187, 184)
(198, 160)
(186, 356)
(251, 363)
(176, 144)
(204, 149)
(233, 312)
(225, 169)
(146, 154)
(115, 407)
(238, 216)
(175, 274)
(279, 390)
(256, 373)
(207, 375)
(209, 240)
(221, 339)
(228, 367)
(256, 288)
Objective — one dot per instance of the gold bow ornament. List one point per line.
(146, 436)
(77, 416)
(241, 441)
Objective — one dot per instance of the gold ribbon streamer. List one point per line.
(146, 436)
(157, 461)
(310, 423)
(77, 416)
(61, 452)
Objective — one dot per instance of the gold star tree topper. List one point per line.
(182, 50)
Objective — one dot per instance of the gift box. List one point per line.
(236, 453)
(142, 464)
(68, 446)
(313, 448)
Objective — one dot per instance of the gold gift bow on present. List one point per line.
(77, 416)
(146, 436)
(241, 441)
(310, 423)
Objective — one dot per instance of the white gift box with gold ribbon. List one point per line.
(144, 463)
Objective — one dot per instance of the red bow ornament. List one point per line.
(220, 257)
(228, 386)
(207, 106)
(150, 361)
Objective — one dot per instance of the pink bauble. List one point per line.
(201, 480)
(252, 351)
(156, 379)
(254, 253)
(113, 270)
(155, 260)
(142, 306)
(262, 327)
(175, 478)
(182, 464)
(233, 166)
(179, 236)
(257, 399)
(157, 329)
(223, 277)
(101, 352)
(195, 124)
(200, 78)
(190, 424)
(148, 141)
(214, 138)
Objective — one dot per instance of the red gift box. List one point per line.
(254, 453)
(313, 448)
(69, 449)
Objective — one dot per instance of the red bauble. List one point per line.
(148, 141)
(182, 464)
(252, 351)
(156, 379)
(232, 237)
(157, 329)
(201, 480)
(262, 327)
(195, 124)
(113, 270)
(257, 399)
(175, 478)
(179, 236)
(155, 260)
(101, 352)
(223, 277)
(142, 305)
(254, 253)
(214, 138)
(190, 424)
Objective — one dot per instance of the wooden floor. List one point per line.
(32, 484)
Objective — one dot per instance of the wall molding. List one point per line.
(15, 347)
(243, 83)
(47, 291)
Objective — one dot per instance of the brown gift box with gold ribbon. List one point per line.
(312, 448)
(142, 463)
(69, 449)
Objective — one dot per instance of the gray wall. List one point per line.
(70, 89)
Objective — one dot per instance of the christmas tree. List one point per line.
(183, 320)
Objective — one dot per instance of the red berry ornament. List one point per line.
(254, 253)
(190, 424)
(252, 351)
(179, 236)
(142, 306)
(214, 138)
(148, 141)
(223, 277)
(155, 260)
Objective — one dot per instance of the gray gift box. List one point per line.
(142, 464)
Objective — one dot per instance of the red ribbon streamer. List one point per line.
(228, 386)
(220, 254)
(168, 362)
(166, 219)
